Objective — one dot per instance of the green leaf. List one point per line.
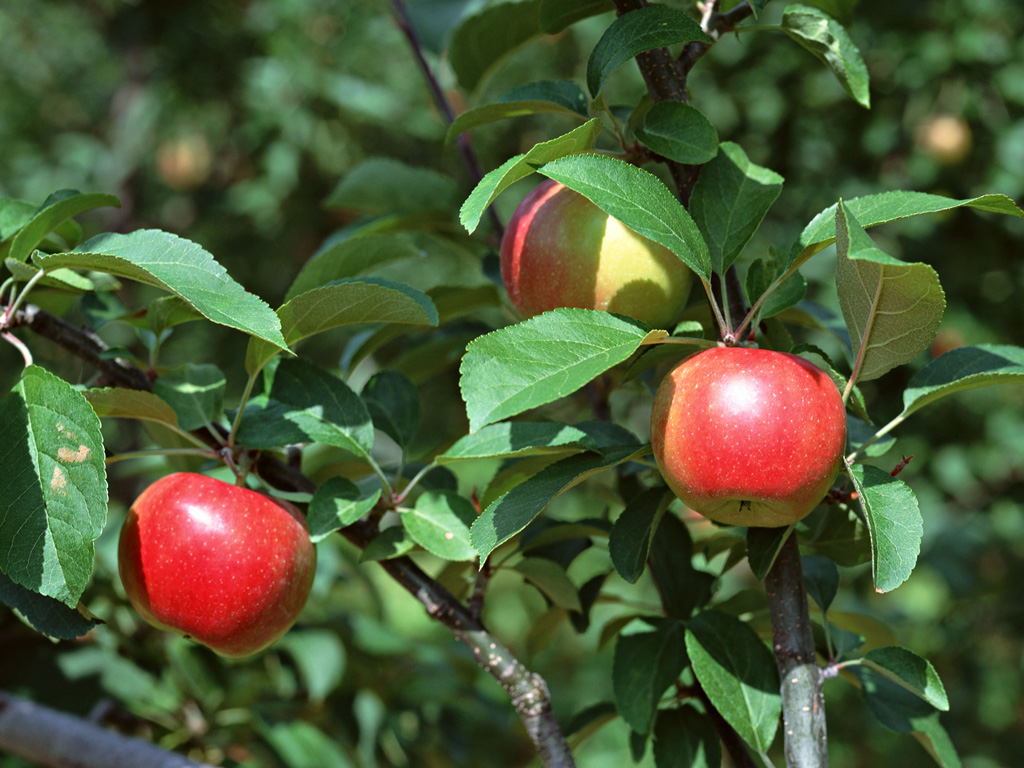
(195, 392)
(894, 524)
(440, 524)
(560, 97)
(827, 39)
(319, 656)
(549, 356)
(557, 15)
(882, 208)
(307, 405)
(900, 710)
(738, 673)
(638, 199)
(634, 32)
(179, 266)
(645, 665)
(679, 132)
(821, 579)
(121, 403)
(514, 510)
(962, 369)
(299, 744)
(892, 309)
(551, 579)
(518, 438)
(383, 185)
(50, 216)
(729, 202)
(62, 279)
(578, 140)
(346, 302)
(482, 40)
(44, 614)
(630, 538)
(907, 669)
(684, 738)
(53, 488)
(351, 258)
(336, 504)
(394, 404)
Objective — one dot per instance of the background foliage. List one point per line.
(232, 123)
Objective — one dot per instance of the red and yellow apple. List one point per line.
(748, 437)
(224, 565)
(561, 250)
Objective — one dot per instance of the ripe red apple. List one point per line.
(748, 436)
(227, 566)
(561, 250)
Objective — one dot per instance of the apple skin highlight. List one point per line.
(561, 250)
(224, 565)
(748, 437)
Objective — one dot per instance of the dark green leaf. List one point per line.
(556, 15)
(763, 546)
(307, 405)
(551, 579)
(684, 738)
(515, 509)
(481, 40)
(120, 403)
(894, 522)
(349, 258)
(195, 392)
(630, 539)
(389, 543)
(682, 588)
(738, 673)
(679, 132)
(638, 199)
(53, 488)
(335, 504)
(44, 614)
(559, 97)
(383, 185)
(909, 670)
(319, 656)
(827, 39)
(821, 578)
(790, 292)
(961, 369)
(645, 665)
(729, 201)
(549, 356)
(639, 30)
(394, 404)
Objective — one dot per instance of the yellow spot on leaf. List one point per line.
(73, 457)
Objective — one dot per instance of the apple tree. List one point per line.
(446, 433)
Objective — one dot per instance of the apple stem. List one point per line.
(14, 341)
(724, 331)
(803, 704)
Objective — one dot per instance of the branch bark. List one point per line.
(803, 704)
(527, 690)
(46, 737)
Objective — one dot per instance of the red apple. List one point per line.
(561, 250)
(224, 565)
(748, 436)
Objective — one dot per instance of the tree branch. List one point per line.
(527, 690)
(803, 704)
(46, 737)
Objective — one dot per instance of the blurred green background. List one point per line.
(230, 123)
